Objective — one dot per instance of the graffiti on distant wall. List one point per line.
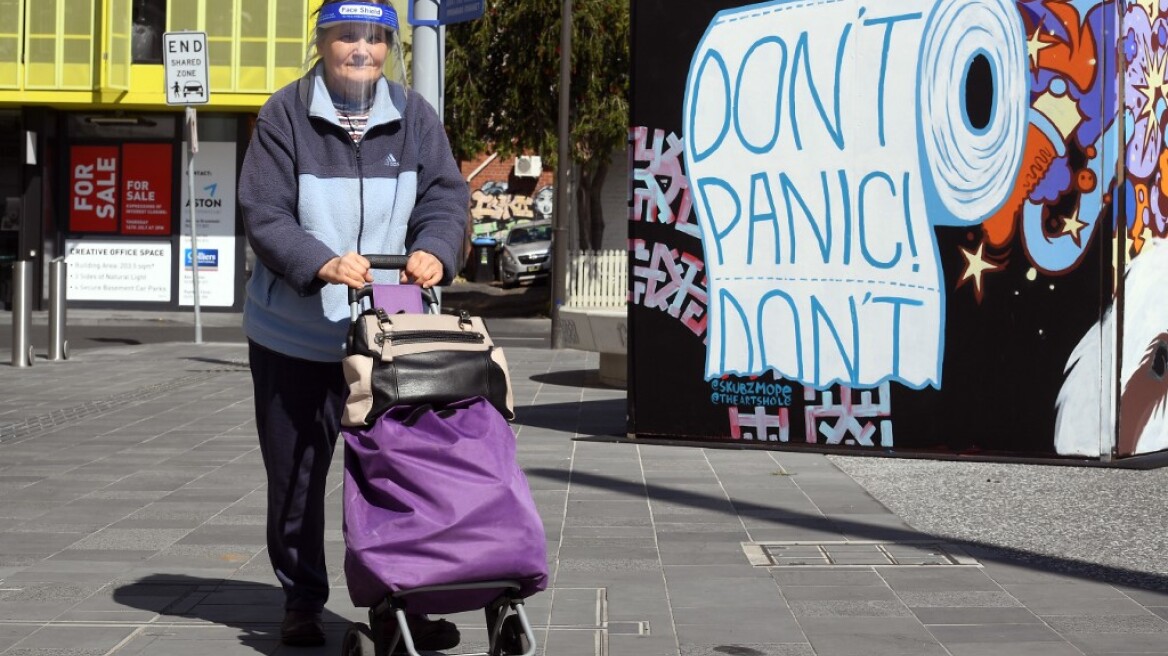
(494, 210)
(849, 168)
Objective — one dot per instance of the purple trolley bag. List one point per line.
(438, 516)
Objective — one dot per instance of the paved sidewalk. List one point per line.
(131, 523)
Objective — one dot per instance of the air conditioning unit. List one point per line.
(528, 166)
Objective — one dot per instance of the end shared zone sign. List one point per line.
(184, 57)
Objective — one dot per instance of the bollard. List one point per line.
(58, 275)
(22, 354)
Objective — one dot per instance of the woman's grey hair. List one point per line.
(395, 45)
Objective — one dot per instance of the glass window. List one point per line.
(184, 15)
(253, 20)
(253, 45)
(149, 24)
(11, 35)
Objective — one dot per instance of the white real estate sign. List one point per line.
(118, 270)
(184, 57)
(215, 212)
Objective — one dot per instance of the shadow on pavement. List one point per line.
(479, 299)
(980, 550)
(603, 417)
(233, 364)
(254, 609)
(589, 378)
(116, 340)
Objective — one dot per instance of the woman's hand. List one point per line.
(422, 269)
(349, 269)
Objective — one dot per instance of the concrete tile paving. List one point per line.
(132, 509)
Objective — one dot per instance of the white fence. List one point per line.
(598, 279)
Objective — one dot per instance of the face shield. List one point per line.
(358, 43)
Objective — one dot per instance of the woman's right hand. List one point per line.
(349, 269)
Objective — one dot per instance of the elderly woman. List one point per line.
(344, 161)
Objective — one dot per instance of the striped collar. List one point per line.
(387, 99)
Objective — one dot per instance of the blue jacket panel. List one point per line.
(309, 193)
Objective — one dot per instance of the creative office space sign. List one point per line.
(118, 270)
(892, 223)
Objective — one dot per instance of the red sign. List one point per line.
(93, 189)
(146, 193)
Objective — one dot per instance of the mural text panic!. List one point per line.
(823, 157)
(795, 83)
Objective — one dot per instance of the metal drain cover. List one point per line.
(835, 554)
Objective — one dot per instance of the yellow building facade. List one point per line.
(93, 162)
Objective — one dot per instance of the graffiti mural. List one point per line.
(909, 214)
(494, 210)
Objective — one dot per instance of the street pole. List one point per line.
(193, 138)
(426, 67)
(563, 165)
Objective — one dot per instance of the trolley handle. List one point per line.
(386, 262)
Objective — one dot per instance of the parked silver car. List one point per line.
(526, 253)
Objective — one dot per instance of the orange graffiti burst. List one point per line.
(1037, 156)
(1143, 206)
(1075, 59)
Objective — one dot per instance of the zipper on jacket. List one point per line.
(360, 177)
(360, 193)
(409, 336)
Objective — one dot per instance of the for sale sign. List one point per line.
(184, 58)
(146, 201)
(93, 189)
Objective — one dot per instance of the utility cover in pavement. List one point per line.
(856, 554)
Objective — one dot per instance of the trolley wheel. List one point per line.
(358, 641)
(512, 640)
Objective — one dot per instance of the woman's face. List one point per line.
(354, 56)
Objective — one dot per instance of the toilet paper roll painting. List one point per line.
(825, 140)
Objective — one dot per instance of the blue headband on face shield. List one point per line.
(357, 12)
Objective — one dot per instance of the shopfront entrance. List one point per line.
(124, 209)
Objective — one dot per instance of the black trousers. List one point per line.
(298, 412)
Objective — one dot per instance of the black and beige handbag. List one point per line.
(419, 358)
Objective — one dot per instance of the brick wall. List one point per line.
(502, 170)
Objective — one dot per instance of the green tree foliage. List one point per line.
(503, 84)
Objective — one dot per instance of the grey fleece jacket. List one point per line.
(309, 193)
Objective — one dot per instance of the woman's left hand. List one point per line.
(422, 269)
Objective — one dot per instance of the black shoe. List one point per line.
(302, 628)
(428, 634)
